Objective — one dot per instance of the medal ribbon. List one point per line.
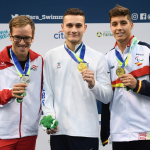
(123, 63)
(18, 66)
(74, 56)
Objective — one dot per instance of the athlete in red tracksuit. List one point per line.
(20, 73)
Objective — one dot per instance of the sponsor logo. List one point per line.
(43, 17)
(107, 33)
(99, 34)
(2, 64)
(134, 16)
(59, 35)
(58, 65)
(104, 34)
(144, 136)
(34, 67)
(138, 61)
(4, 34)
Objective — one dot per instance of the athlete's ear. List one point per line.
(62, 26)
(10, 37)
(85, 27)
(33, 38)
(132, 25)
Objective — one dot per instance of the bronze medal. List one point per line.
(120, 71)
(82, 66)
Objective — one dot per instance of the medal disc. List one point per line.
(120, 71)
(82, 66)
(25, 80)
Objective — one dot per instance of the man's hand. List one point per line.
(128, 80)
(54, 130)
(88, 76)
(18, 89)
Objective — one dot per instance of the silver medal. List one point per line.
(25, 80)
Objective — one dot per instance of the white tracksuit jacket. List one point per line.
(130, 111)
(67, 95)
(19, 119)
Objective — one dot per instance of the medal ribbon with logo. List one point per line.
(24, 74)
(80, 60)
(123, 63)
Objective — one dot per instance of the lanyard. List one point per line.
(74, 56)
(123, 63)
(18, 66)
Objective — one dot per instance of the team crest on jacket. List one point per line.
(138, 63)
(58, 65)
(34, 67)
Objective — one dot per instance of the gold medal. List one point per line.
(120, 71)
(82, 66)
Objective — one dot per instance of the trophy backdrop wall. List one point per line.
(48, 15)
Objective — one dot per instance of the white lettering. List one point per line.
(13, 16)
(43, 16)
(55, 17)
(48, 17)
(37, 17)
(60, 17)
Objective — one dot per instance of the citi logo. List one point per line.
(34, 67)
(59, 35)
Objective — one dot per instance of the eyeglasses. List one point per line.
(19, 38)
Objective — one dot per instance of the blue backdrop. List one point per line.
(48, 11)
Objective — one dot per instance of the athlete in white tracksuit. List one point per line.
(71, 96)
(67, 95)
(129, 69)
(129, 109)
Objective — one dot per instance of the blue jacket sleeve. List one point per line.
(143, 87)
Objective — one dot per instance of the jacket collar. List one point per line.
(128, 44)
(5, 57)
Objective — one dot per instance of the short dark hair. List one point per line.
(74, 11)
(21, 21)
(119, 11)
